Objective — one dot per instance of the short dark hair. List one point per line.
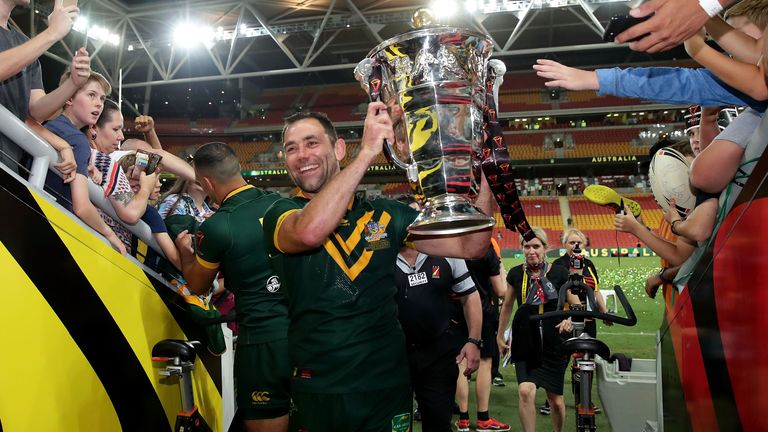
(320, 117)
(217, 160)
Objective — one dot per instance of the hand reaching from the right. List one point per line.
(569, 78)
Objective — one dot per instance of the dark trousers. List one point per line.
(433, 379)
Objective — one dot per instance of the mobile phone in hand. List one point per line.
(142, 160)
(620, 23)
(147, 162)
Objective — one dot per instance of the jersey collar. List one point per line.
(236, 191)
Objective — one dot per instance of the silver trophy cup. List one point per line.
(432, 81)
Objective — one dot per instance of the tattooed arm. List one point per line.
(130, 207)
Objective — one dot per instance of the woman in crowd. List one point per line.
(535, 286)
(105, 138)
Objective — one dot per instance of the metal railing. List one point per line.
(43, 158)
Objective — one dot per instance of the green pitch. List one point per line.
(636, 342)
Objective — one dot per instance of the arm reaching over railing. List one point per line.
(45, 158)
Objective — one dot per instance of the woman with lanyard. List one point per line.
(535, 285)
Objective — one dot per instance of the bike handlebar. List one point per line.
(629, 321)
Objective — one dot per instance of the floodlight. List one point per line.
(183, 35)
(98, 33)
(187, 35)
(81, 24)
(444, 8)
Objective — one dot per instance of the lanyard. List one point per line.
(525, 289)
(597, 285)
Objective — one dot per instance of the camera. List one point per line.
(576, 273)
(576, 262)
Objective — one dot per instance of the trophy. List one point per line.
(433, 83)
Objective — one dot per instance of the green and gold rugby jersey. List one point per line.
(232, 240)
(344, 334)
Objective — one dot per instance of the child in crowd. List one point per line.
(715, 167)
(681, 85)
(668, 272)
(81, 110)
(184, 198)
(697, 226)
(744, 77)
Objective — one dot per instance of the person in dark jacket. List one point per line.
(535, 286)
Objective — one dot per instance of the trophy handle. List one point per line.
(496, 71)
(410, 169)
(368, 74)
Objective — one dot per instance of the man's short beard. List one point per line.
(329, 172)
(303, 187)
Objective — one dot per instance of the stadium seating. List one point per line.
(215, 124)
(250, 153)
(544, 213)
(588, 99)
(394, 190)
(278, 99)
(165, 125)
(523, 100)
(271, 118)
(597, 221)
(339, 102)
(610, 239)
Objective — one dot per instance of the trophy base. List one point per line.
(447, 215)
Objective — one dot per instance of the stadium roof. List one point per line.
(298, 40)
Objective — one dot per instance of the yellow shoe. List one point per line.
(605, 196)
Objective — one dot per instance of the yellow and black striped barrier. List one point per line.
(79, 322)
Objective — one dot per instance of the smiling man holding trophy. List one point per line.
(335, 253)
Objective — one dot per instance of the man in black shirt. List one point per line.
(21, 84)
(486, 272)
(425, 285)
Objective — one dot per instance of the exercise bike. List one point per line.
(179, 357)
(582, 346)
